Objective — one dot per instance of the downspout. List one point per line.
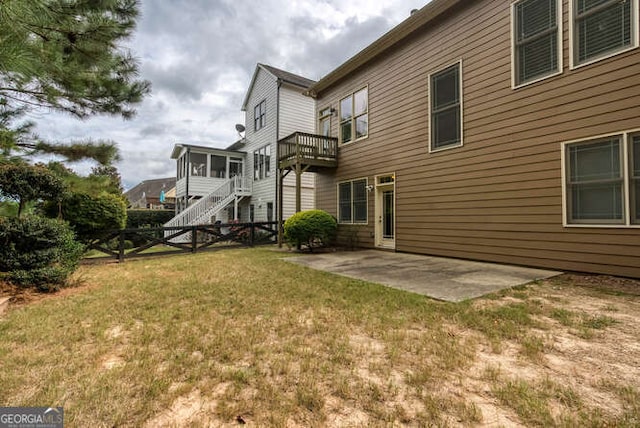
(188, 170)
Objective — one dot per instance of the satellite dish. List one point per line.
(240, 128)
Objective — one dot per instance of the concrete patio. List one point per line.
(441, 278)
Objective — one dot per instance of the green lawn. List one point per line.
(212, 338)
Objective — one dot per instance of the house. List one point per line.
(158, 193)
(241, 182)
(495, 130)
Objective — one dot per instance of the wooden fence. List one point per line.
(156, 241)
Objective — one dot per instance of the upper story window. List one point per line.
(598, 173)
(352, 201)
(537, 36)
(262, 163)
(354, 116)
(445, 118)
(198, 165)
(324, 125)
(602, 28)
(218, 168)
(260, 115)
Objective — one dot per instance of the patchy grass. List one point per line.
(240, 335)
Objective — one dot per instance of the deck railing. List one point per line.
(303, 147)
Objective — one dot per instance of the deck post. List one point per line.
(298, 187)
(280, 206)
(121, 247)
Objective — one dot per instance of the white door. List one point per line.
(385, 211)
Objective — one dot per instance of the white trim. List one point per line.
(559, 20)
(353, 117)
(378, 210)
(351, 180)
(625, 176)
(635, 23)
(459, 63)
(625, 171)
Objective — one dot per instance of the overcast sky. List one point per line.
(200, 55)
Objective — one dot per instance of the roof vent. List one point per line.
(413, 11)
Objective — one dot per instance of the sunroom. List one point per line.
(200, 169)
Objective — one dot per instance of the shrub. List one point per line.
(310, 228)
(91, 217)
(148, 218)
(37, 251)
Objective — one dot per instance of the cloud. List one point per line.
(200, 56)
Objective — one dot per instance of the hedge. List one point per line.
(148, 218)
(91, 216)
(38, 251)
(310, 228)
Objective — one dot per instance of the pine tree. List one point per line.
(66, 55)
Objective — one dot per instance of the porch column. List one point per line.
(280, 206)
(298, 187)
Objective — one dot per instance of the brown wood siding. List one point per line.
(499, 197)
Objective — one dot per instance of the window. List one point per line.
(324, 127)
(252, 213)
(198, 164)
(536, 40)
(260, 115)
(446, 108)
(262, 163)
(635, 178)
(180, 167)
(352, 201)
(596, 180)
(218, 166)
(602, 28)
(354, 117)
(269, 211)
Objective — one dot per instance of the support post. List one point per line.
(298, 187)
(280, 207)
(121, 247)
(194, 239)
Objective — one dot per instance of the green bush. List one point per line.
(37, 251)
(148, 218)
(310, 228)
(91, 217)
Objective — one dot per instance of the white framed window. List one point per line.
(445, 108)
(218, 166)
(262, 163)
(260, 115)
(352, 201)
(601, 181)
(601, 29)
(354, 116)
(536, 28)
(324, 124)
(198, 167)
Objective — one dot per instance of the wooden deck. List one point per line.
(311, 152)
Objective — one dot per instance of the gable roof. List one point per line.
(416, 21)
(280, 76)
(150, 188)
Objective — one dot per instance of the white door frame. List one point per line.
(384, 183)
